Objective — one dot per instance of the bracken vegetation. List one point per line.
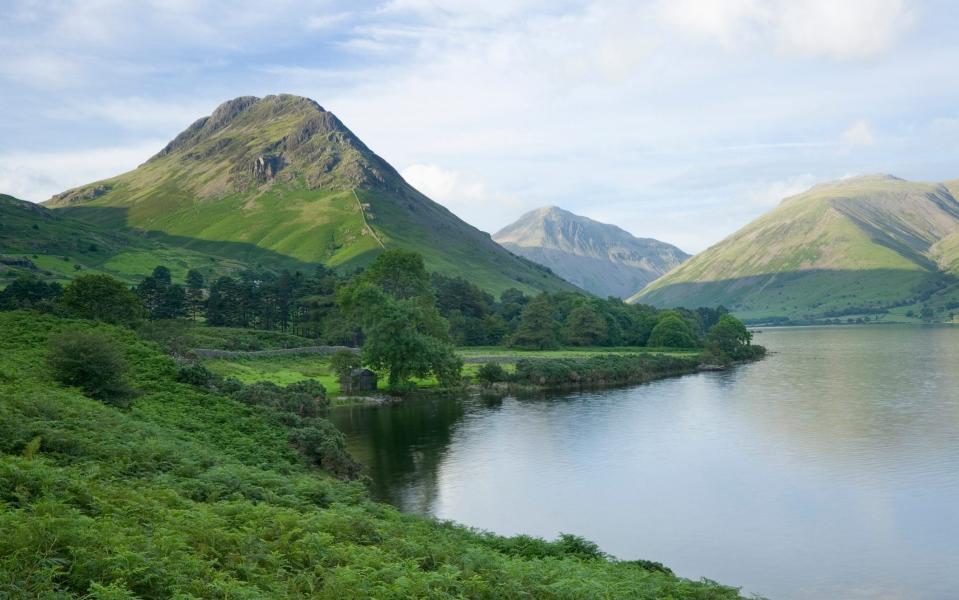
(199, 490)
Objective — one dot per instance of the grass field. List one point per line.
(284, 370)
(499, 353)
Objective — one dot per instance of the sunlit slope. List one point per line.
(862, 243)
(280, 180)
(946, 253)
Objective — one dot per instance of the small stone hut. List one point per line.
(360, 380)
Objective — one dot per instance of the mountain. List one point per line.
(600, 258)
(55, 247)
(279, 181)
(863, 245)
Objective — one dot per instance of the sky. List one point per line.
(680, 120)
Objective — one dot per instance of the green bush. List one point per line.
(101, 298)
(672, 331)
(321, 442)
(606, 369)
(90, 361)
(345, 362)
(728, 339)
(194, 373)
(302, 399)
(491, 373)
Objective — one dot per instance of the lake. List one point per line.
(830, 469)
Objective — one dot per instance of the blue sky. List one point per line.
(675, 119)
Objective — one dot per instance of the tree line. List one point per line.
(406, 320)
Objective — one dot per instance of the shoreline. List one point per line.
(506, 388)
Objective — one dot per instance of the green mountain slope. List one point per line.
(280, 180)
(946, 253)
(856, 246)
(55, 247)
(600, 258)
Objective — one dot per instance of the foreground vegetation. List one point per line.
(195, 490)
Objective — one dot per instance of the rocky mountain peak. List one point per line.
(598, 257)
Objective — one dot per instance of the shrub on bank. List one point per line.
(600, 369)
(491, 373)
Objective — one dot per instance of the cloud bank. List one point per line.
(677, 119)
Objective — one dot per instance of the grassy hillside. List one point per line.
(863, 245)
(190, 494)
(281, 181)
(54, 247)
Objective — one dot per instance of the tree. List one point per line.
(27, 291)
(728, 338)
(344, 363)
(511, 304)
(403, 332)
(672, 331)
(162, 298)
(101, 298)
(537, 326)
(586, 327)
(710, 316)
(194, 291)
(89, 360)
(401, 274)
(468, 309)
(223, 307)
(402, 337)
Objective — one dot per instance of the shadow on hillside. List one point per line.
(115, 218)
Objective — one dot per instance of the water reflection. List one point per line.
(830, 469)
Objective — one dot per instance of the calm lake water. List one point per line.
(828, 470)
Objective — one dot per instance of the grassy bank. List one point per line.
(284, 370)
(192, 494)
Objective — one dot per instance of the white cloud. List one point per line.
(728, 22)
(858, 134)
(466, 197)
(682, 118)
(48, 71)
(38, 176)
(769, 194)
(321, 22)
(845, 30)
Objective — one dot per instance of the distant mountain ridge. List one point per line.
(280, 181)
(600, 258)
(862, 245)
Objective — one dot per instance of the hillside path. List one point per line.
(363, 216)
